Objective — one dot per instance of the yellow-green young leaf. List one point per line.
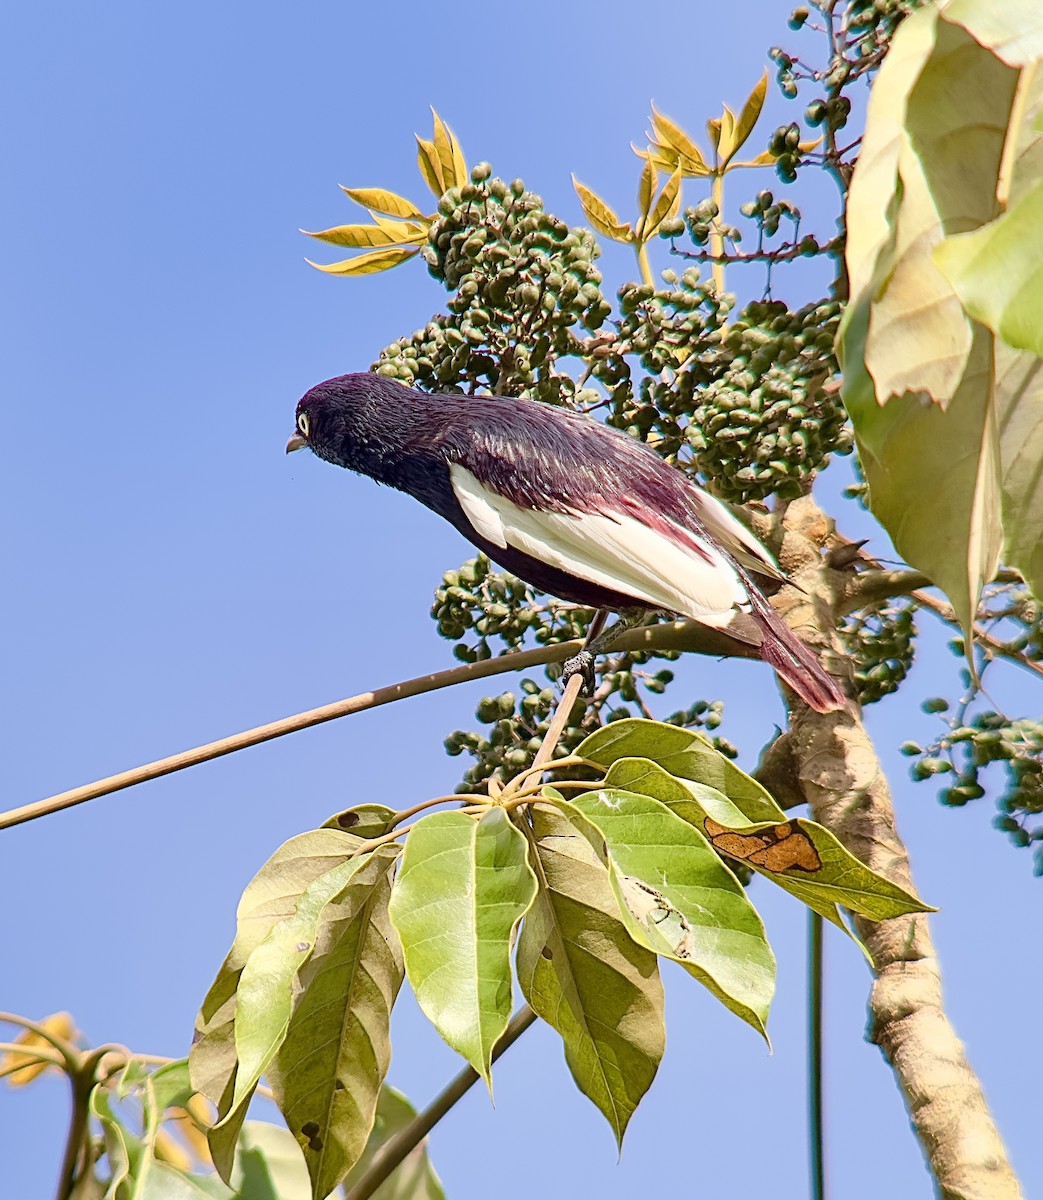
(402, 231)
(997, 272)
(645, 193)
(667, 205)
(585, 976)
(430, 167)
(600, 215)
(328, 1072)
(453, 167)
(357, 237)
(726, 145)
(678, 899)
(684, 754)
(750, 113)
(686, 155)
(414, 1178)
(463, 886)
(368, 264)
(382, 201)
(60, 1025)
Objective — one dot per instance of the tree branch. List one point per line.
(396, 1148)
(838, 770)
(676, 635)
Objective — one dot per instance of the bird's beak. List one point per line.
(297, 442)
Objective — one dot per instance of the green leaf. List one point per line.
(329, 1069)
(1012, 30)
(367, 264)
(682, 753)
(271, 896)
(382, 201)
(1019, 388)
(677, 897)
(831, 874)
(462, 888)
(689, 800)
(750, 113)
(585, 976)
(996, 270)
(123, 1150)
(414, 1178)
(269, 1164)
(357, 236)
(170, 1085)
(363, 821)
(600, 215)
(929, 167)
(266, 991)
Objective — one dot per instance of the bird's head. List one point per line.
(329, 418)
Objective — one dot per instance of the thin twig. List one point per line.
(816, 1140)
(396, 1148)
(981, 636)
(674, 635)
(559, 721)
(276, 729)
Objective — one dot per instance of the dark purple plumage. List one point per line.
(579, 510)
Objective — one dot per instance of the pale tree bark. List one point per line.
(835, 767)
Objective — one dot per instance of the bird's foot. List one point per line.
(581, 664)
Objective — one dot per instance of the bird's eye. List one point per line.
(302, 423)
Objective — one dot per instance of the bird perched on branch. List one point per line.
(573, 507)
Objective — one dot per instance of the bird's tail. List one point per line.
(795, 661)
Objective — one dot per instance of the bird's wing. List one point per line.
(627, 549)
(740, 543)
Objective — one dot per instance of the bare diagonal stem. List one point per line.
(397, 1148)
(677, 635)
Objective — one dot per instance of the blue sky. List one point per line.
(173, 577)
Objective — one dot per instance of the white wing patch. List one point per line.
(732, 533)
(617, 552)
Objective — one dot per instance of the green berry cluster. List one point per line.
(518, 725)
(968, 747)
(496, 604)
(880, 643)
(766, 424)
(784, 143)
(521, 279)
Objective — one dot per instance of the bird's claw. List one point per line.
(581, 664)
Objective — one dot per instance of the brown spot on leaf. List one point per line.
(547, 952)
(311, 1132)
(346, 819)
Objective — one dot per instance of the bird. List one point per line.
(571, 506)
